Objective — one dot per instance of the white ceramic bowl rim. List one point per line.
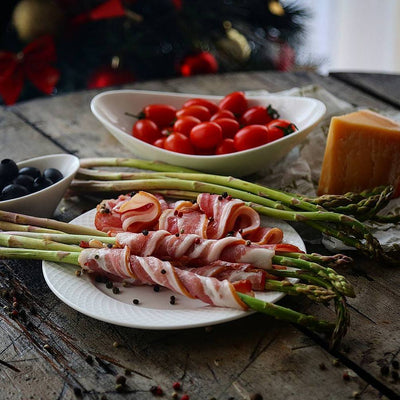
(55, 157)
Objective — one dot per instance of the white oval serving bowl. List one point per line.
(44, 202)
(110, 107)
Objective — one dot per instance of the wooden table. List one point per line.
(59, 353)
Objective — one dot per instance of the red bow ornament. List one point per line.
(32, 63)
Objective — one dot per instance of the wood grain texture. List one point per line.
(58, 353)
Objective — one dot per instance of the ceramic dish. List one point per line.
(44, 202)
(110, 107)
(154, 311)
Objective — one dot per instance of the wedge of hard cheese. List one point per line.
(362, 152)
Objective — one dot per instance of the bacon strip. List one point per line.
(194, 249)
(153, 271)
(232, 215)
(212, 217)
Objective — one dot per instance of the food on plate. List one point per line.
(193, 249)
(201, 126)
(15, 182)
(362, 152)
(211, 216)
(120, 263)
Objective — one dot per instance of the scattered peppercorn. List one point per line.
(30, 326)
(256, 396)
(128, 372)
(174, 395)
(47, 347)
(120, 379)
(89, 359)
(136, 301)
(395, 364)
(163, 271)
(145, 232)
(115, 290)
(172, 300)
(116, 344)
(77, 391)
(96, 257)
(356, 395)
(385, 370)
(156, 390)
(177, 234)
(185, 397)
(119, 387)
(33, 310)
(156, 288)
(322, 367)
(78, 272)
(109, 245)
(225, 194)
(176, 385)
(109, 285)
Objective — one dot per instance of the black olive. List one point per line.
(31, 171)
(24, 180)
(53, 174)
(13, 191)
(8, 170)
(41, 183)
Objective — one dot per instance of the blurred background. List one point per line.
(49, 47)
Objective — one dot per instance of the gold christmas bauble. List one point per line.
(34, 18)
(234, 44)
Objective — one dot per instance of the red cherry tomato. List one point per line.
(223, 114)
(178, 143)
(279, 128)
(258, 115)
(251, 136)
(235, 102)
(146, 130)
(229, 126)
(185, 124)
(162, 114)
(159, 143)
(206, 135)
(227, 146)
(200, 112)
(212, 107)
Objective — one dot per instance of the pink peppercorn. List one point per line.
(185, 397)
(176, 385)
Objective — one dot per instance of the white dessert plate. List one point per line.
(154, 310)
(110, 107)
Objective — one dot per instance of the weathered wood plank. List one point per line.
(19, 140)
(382, 86)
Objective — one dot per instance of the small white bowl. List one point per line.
(44, 202)
(110, 107)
